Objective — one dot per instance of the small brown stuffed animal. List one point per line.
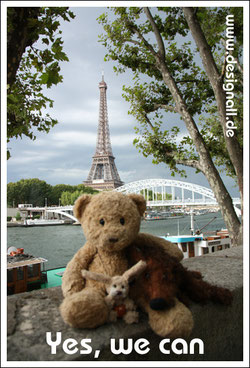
(166, 279)
(117, 288)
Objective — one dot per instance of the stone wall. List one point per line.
(31, 315)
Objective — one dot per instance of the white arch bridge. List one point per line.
(161, 192)
(168, 192)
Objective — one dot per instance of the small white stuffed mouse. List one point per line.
(117, 288)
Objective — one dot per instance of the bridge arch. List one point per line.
(158, 188)
(64, 213)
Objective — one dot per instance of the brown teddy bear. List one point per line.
(111, 224)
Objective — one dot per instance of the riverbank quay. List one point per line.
(31, 315)
(15, 223)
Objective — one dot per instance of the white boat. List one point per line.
(152, 216)
(43, 222)
(198, 245)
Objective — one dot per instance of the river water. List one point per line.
(58, 244)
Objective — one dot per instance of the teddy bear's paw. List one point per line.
(131, 317)
(85, 309)
(112, 316)
(174, 322)
(129, 304)
(109, 301)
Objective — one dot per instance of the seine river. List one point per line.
(58, 244)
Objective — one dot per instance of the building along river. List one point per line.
(58, 244)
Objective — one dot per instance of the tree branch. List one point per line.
(165, 107)
(190, 163)
(233, 146)
(159, 40)
(148, 121)
(171, 154)
(223, 67)
(190, 81)
(20, 35)
(133, 28)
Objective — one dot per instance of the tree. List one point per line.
(38, 193)
(31, 191)
(157, 46)
(57, 191)
(66, 198)
(31, 67)
(149, 195)
(69, 197)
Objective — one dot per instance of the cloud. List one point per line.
(33, 157)
(127, 176)
(66, 174)
(84, 116)
(66, 139)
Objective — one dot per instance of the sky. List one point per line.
(64, 155)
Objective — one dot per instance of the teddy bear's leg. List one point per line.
(131, 317)
(85, 309)
(174, 322)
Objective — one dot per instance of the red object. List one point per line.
(120, 310)
(19, 250)
(13, 253)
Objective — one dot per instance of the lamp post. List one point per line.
(46, 214)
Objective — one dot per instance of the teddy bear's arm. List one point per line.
(72, 280)
(110, 301)
(170, 248)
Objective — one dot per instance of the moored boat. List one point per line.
(43, 222)
(198, 245)
(24, 271)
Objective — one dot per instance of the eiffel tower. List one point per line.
(103, 173)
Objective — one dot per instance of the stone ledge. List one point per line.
(31, 315)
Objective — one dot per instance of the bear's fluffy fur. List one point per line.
(111, 223)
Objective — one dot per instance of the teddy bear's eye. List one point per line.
(123, 286)
(102, 222)
(147, 275)
(114, 285)
(122, 220)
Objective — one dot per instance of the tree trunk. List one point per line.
(20, 35)
(208, 168)
(233, 147)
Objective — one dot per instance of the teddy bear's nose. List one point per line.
(158, 304)
(113, 240)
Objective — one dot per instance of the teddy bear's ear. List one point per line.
(139, 201)
(80, 205)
